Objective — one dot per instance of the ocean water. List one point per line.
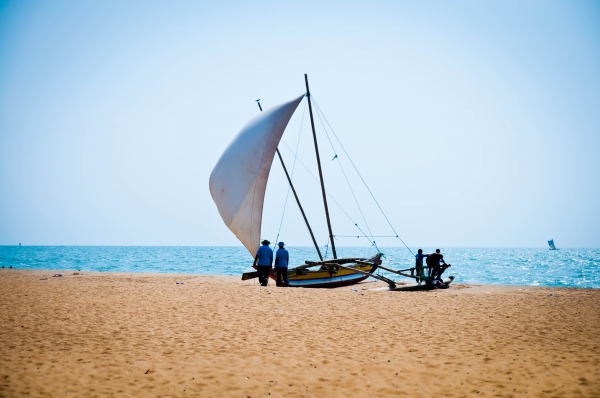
(512, 266)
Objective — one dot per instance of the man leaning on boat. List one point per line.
(263, 260)
(434, 262)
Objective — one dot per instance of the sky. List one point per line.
(474, 124)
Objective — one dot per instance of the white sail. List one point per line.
(239, 179)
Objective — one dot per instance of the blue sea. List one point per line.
(511, 266)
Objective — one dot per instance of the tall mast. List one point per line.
(312, 123)
(300, 206)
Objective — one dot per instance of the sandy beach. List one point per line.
(143, 335)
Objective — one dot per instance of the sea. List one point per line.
(577, 268)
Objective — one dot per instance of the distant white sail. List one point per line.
(551, 244)
(239, 179)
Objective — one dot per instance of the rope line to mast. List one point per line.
(327, 192)
(319, 113)
(356, 236)
(362, 179)
(308, 253)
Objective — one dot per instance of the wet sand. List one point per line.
(143, 335)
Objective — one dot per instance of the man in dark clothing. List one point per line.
(434, 261)
(264, 260)
(282, 259)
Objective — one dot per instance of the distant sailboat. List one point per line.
(551, 244)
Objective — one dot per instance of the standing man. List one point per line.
(264, 260)
(282, 259)
(419, 264)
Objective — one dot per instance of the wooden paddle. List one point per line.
(249, 275)
(381, 278)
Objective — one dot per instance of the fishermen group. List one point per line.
(264, 261)
(435, 266)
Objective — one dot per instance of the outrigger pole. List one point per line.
(312, 123)
(300, 206)
(390, 282)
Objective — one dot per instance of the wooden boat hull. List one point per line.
(330, 278)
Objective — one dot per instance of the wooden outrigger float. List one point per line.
(421, 274)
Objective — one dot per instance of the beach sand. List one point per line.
(101, 334)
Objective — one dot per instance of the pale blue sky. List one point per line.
(475, 123)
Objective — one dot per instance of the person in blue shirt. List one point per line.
(282, 259)
(419, 264)
(263, 261)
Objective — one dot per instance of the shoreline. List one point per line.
(130, 334)
(508, 266)
(400, 282)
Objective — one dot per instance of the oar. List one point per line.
(249, 275)
(381, 278)
(400, 272)
(321, 264)
(329, 262)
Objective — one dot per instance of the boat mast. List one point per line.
(312, 123)
(300, 206)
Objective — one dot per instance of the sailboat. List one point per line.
(238, 183)
(551, 244)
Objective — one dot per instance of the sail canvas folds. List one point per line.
(239, 180)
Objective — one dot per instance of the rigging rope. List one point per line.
(319, 113)
(327, 192)
(308, 253)
(356, 236)
(363, 180)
